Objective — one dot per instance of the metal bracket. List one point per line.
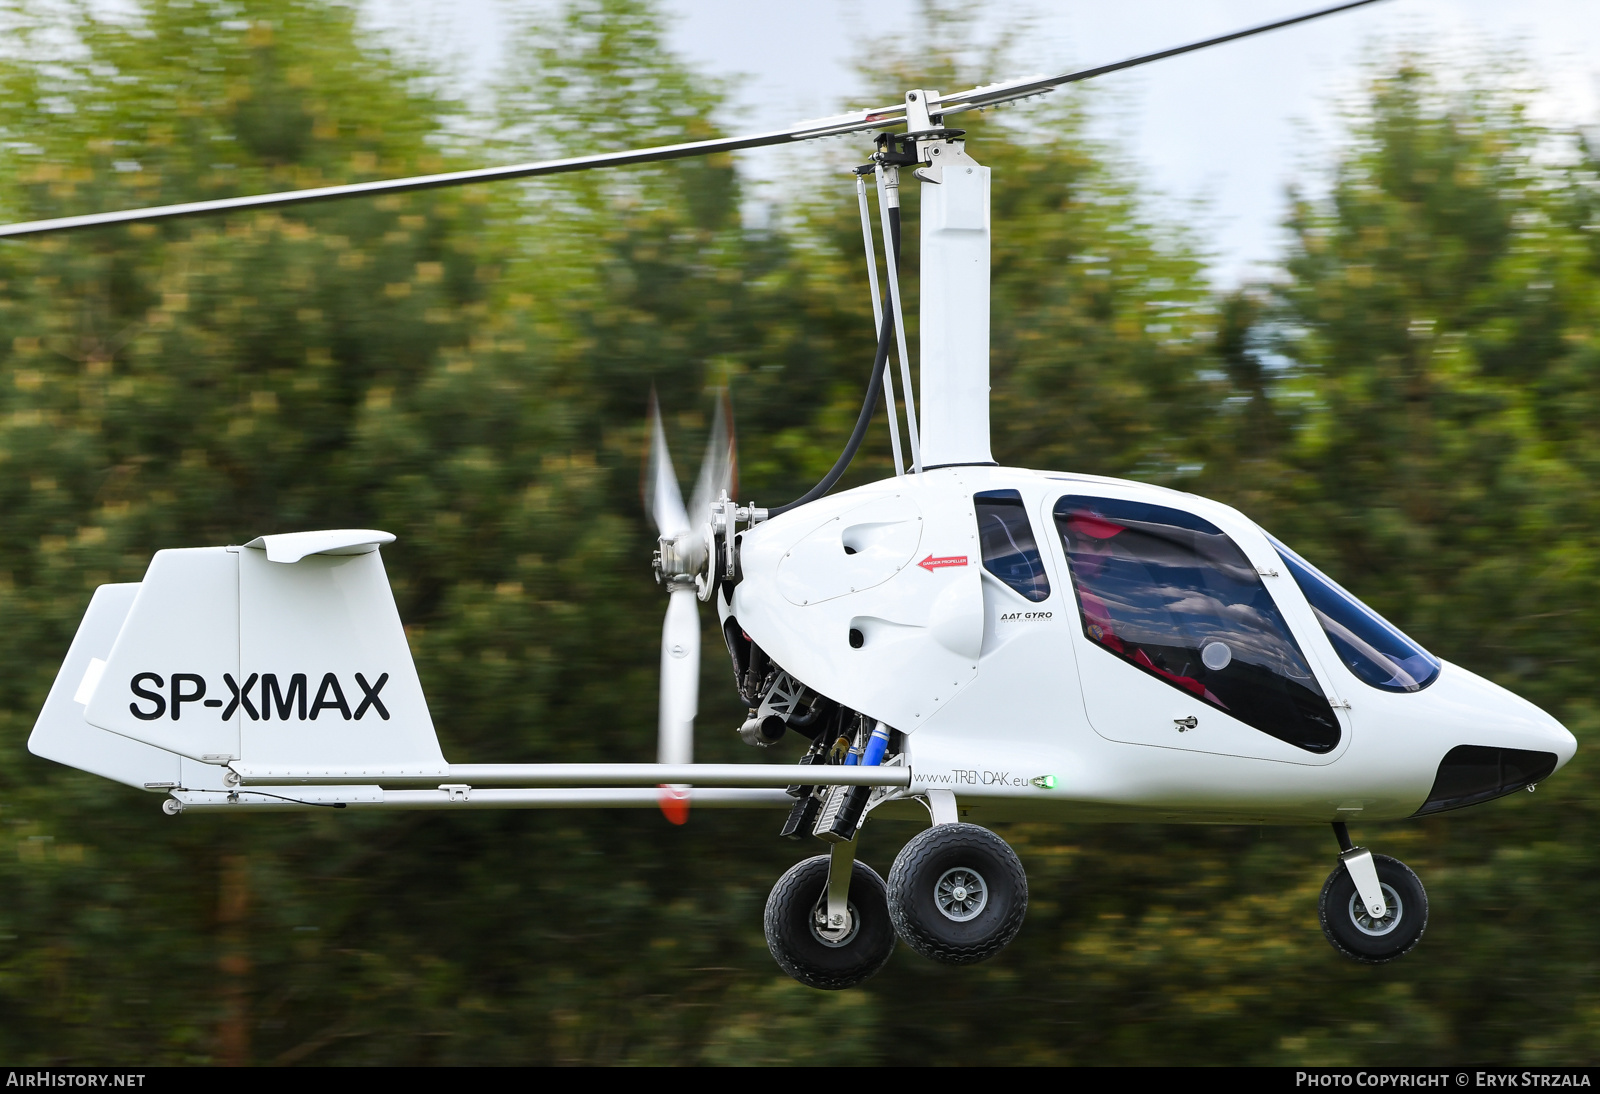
(841, 864)
(724, 530)
(881, 794)
(459, 792)
(782, 697)
(919, 117)
(781, 701)
(939, 154)
(942, 807)
(1358, 861)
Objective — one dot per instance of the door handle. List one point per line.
(1185, 724)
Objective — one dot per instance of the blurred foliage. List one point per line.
(1410, 404)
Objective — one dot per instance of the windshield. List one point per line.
(1369, 645)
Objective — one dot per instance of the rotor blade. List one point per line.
(976, 98)
(808, 130)
(662, 496)
(979, 98)
(719, 468)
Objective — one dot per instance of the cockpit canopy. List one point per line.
(1169, 593)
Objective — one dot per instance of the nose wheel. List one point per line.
(1373, 907)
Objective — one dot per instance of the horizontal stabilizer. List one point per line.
(291, 547)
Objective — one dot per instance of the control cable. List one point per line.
(870, 406)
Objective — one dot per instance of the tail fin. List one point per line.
(286, 653)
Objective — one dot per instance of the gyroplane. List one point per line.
(976, 642)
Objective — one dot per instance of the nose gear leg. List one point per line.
(1358, 861)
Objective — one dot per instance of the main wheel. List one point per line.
(795, 916)
(1351, 928)
(957, 894)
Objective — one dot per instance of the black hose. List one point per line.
(870, 406)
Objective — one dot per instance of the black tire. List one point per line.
(932, 871)
(792, 931)
(1353, 933)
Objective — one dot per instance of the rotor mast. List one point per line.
(954, 314)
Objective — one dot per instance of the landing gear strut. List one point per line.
(1373, 908)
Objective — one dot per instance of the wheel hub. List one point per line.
(961, 894)
(837, 936)
(1367, 924)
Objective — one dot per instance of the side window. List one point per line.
(1009, 549)
(1169, 593)
(1366, 642)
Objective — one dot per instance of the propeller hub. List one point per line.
(681, 558)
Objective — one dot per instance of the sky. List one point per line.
(1216, 137)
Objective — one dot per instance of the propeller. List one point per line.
(686, 547)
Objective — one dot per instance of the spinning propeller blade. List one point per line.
(662, 496)
(719, 472)
(682, 530)
(680, 693)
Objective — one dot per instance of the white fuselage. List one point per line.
(877, 598)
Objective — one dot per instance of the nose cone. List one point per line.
(1487, 714)
(1494, 743)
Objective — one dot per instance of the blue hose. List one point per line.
(877, 745)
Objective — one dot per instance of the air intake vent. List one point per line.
(1472, 773)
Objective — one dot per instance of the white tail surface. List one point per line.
(334, 683)
(165, 682)
(61, 733)
(300, 664)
